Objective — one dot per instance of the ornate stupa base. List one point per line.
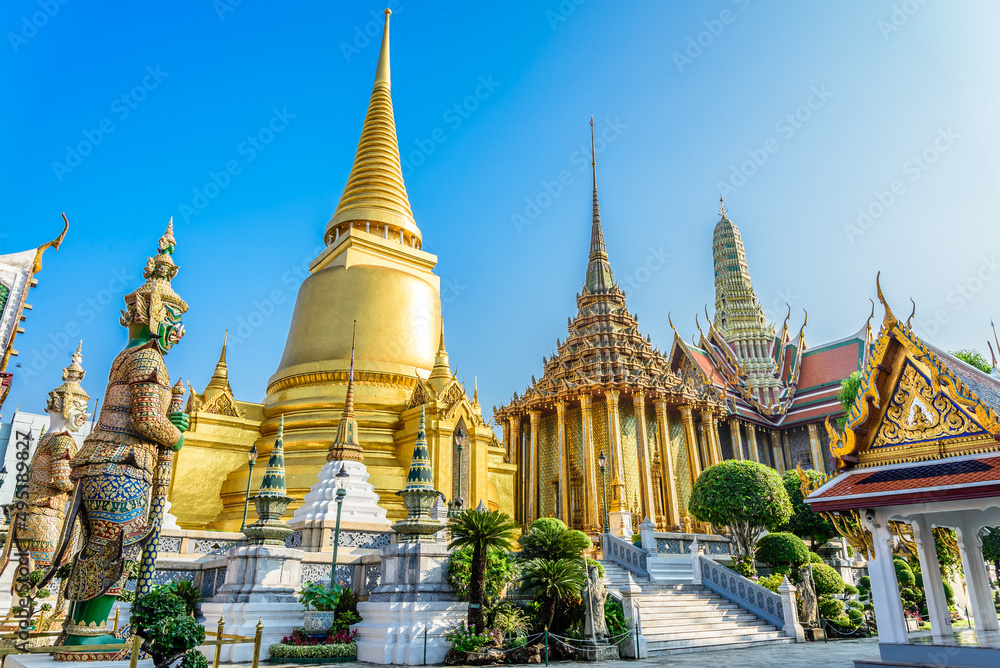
(269, 529)
(317, 517)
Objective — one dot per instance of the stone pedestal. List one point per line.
(620, 522)
(412, 601)
(599, 652)
(261, 581)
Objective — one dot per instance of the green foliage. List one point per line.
(743, 564)
(950, 562)
(991, 546)
(827, 579)
(323, 651)
(831, 608)
(168, 631)
(848, 622)
(317, 596)
(464, 639)
(187, 592)
(855, 605)
(781, 570)
(856, 616)
(772, 581)
(904, 573)
(600, 567)
(194, 659)
(480, 531)
(973, 358)
(502, 571)
(949, 593)
(511, 620)
(865, 584)
(804, 523)
(552, 581)
(815, 558)
(348, 602)
(548, 538)
(911, 595)
(782, 549)
(851, 590)
(344, 620)
(744, 496)
(849, 388)
(614, 616)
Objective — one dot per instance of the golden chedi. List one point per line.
(373, 271)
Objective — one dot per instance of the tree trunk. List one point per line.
(476, 583)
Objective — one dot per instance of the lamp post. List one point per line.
(602, 461)
(341, 478)
(252, 461)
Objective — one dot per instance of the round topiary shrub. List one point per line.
(865, 583)
(855, 605)
(815, 558)
(828, 580)
(904, 574)
(782, 549)
(856, 616)
(831, 608)
(851, 590)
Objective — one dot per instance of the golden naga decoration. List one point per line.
(847, 523)
(907, 543)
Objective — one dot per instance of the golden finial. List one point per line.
(805, 322)
(784, 326)
(890, 318)
(475, 389)
(349, 399)
(722, 208)
(382, 70)
(913, 312)
(989, 344)
(995, 340)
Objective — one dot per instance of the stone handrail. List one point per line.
(777, 608)
(625, 554)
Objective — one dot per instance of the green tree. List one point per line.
(973, 358)
(167, 630)
(549, 538)
(745, 497)
(502, 571)
(552, 581)
(480, 530)
(782, 549)
(849, 388)
(804, 523)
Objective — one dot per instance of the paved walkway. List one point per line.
(834, 654)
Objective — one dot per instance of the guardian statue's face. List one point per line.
(76, 415)
(170, 330)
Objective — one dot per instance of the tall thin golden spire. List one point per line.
(441, 373)
(599, 276)
(375, 194)
(220, 377)
(345, 444)
(349, 400)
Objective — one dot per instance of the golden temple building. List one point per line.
(743, 390)
(372, 271)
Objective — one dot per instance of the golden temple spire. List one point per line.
(345, 444)
(441, 373)
(220, 377)
(599, 277)
(722, 208)
(375, 193)
(475, 389)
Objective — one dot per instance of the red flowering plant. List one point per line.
(342, 637)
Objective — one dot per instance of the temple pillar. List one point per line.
(591, 495)
(563, 464)
(885, 586)
(734, 431)
(752, 443)
(779, 459)
(706, 439)
(930, 569)
(517, 456)
(977, 581)
(666, 461)
(620, 517)
(819, 461)
(691, 437)
(534, 491)
(713, 424)
(645, 461)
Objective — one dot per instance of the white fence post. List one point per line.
(792, 627)
(696, 562)
(634, 646)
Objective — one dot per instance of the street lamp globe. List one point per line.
(602, 461)
(341, 480)
(252, 455)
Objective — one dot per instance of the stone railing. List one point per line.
(777, 608)
(625, 554)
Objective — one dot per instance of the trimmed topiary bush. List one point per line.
(282, 651)
(772, 582)
(745, 497)
(828, 580)
(782, 549)
(855, 605)
(949, 593)
(851, 590)
(904, 574)
(815, 558)
(831, 608)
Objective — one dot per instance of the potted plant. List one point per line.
(320, 602)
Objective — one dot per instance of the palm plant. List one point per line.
(552, 581)
(481, 530)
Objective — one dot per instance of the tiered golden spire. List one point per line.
(599, 277)
(441, 373)
(345, 445)
(220, 377)
(375, 192)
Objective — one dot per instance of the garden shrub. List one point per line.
(464, 639)
(323, 651)
(772, 581)
(502, 572)
(949, 593)
(904, 573)
(855, 605)
(828, 580)
(781, 549)
(815, 558)
(856, 616)
(851, 590)
(831, 608)
(614, 615)
(600, 567)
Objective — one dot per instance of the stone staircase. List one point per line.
(681, 618)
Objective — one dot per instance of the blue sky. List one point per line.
(807, 115)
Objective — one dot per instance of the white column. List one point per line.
(885, 587)
(980, 594)
(937, 604)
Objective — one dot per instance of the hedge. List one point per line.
(313, 651)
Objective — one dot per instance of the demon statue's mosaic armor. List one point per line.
(38, 526)
(114, 470)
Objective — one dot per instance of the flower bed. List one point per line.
(322, 653)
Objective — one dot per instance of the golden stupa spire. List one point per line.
(220, 377)
(375, 194)
(722, 208)
(345, 445)
(441, 373)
